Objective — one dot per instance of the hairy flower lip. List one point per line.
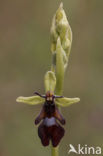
(48, 111)
(50, 130)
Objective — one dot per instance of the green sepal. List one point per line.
(64, 102)
(32, 100)
(50, 81)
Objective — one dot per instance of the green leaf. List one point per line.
(64, 102)
(32, 100)
(50, 81)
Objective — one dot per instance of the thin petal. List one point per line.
(64, 102)
(32, 100)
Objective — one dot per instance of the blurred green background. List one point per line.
(25, 57)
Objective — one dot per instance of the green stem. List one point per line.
(59, 82)
(61, 39)
(54, 151)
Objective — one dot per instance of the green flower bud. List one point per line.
(61, 29)
(59, 68)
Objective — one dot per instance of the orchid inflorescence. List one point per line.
(50, 117)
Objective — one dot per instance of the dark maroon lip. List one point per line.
(50, 129)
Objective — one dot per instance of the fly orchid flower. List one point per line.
(49, 129)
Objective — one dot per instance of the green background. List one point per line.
(24, 59)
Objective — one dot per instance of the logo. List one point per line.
(84, 150)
